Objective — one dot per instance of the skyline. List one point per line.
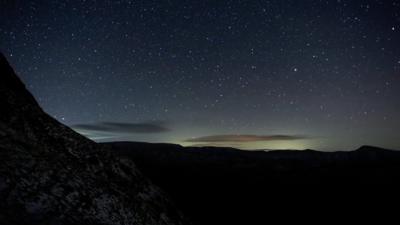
(321, 75)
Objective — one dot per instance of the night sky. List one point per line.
(249, 74)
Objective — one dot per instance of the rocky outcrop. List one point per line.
(50, 174)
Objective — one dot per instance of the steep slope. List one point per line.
(51, 175)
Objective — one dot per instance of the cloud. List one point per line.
(244, 138)
(152, 127)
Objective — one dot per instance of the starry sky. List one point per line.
(253, 74)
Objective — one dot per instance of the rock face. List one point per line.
(49, 174)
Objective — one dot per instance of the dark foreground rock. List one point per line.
(51, 175)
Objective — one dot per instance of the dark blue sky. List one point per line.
(248, 74)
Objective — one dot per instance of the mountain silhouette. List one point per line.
(51, 175)
(228, 186)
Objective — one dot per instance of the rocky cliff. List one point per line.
(49, 174)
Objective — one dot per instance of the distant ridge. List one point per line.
(228, 186)
(372, 148)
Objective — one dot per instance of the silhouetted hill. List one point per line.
(229, 186)
(51, 175)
